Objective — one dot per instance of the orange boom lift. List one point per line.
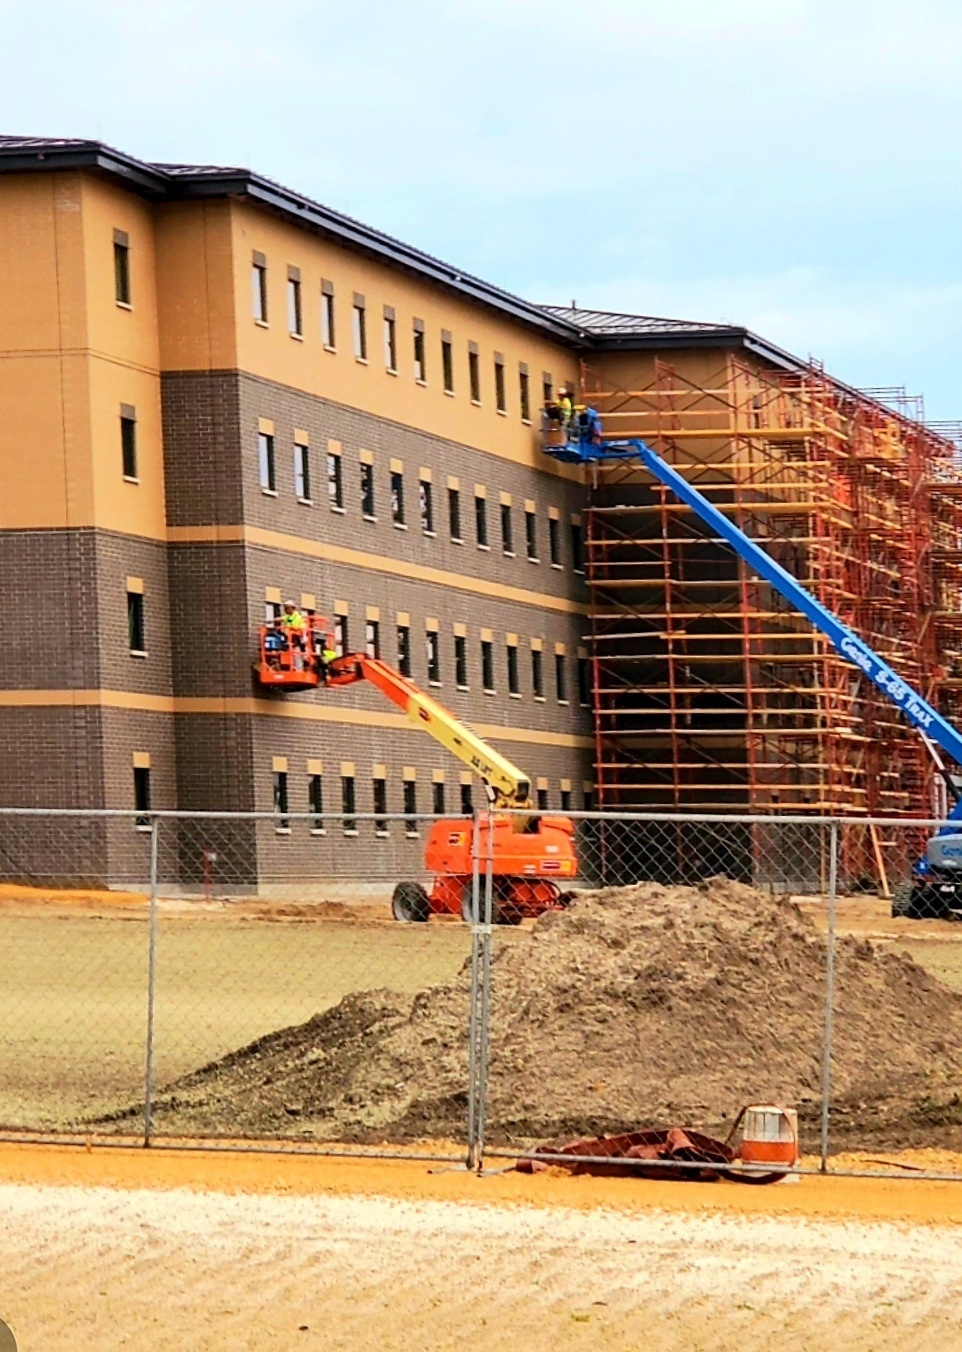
(530, 854)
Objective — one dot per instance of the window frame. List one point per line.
(281, 800)
(432, 648)
(390, 344)
(507, 530)
(315, 803)
(531, 536)
(500, 391)
(266, 462)
(295, 308)
(136, 624)
(474, 374)
(426, 505)
(537, 673)
(455, 523)
(524, 393)
(554, 541)
(302, 472)
(128, 443)
(259, 308)
(461, 673)
(328, 329)
(438, 806)
(561, 677)
(123, 290)
(404, 650)
(487, 667)
(379, 802)
(420, 353)
(372, 638)
(368, 499)
(397, 497)
(409, 792)
(514, 670)
(447, 363)
(142, 797)
(349, 804)
(335, 482)
(481, 521)
(359, 328)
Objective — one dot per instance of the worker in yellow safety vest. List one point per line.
(565, 404)
(295, 628)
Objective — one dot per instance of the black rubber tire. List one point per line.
(409, 903)
(466, 900)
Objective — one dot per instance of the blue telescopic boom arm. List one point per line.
(916, 709)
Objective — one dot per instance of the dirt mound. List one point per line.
(635, 1006)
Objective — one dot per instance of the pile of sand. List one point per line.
(636, 1006)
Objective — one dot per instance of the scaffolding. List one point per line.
(710, 692)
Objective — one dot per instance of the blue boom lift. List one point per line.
(937, 882)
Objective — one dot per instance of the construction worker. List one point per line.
(295, 627)
(565, 404)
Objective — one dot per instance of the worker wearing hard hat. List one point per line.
(565, 404)
(295, 627)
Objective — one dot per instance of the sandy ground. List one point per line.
(160, 1251)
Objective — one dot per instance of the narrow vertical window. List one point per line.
(410, 805)
(467, 802)
(122, 267)
(281, 805)
(367, 490)
(142, 795)
(588, 799)
(514, 682)
(524, 388)
(372, 638)
(348, 804)
(420, 366)
(537, 673)
(542, 800)
(584, 682)
(531, 535)
(437, 798)
(390, 340)
(341, 636)
(426, 505)
(433, 648)
(302, 471)
(547, 388)
(404, 650)
(507, 529)
(359, 315)
(554, 541)
(136, 631)
(327, 315)
(265, 455)
(259, 288)
(577, 553)
(454, 514)
(565, 800)
(561, 677)
(461, 661)
(481, 520)
(474, 373)
(335, 481)
(499, 395)
(397, 497)
(315, 803)
(380, 805)
(487, 666)
(128, 440)
(447, 362)
(295, 322)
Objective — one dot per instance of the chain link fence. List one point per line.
(269, 978)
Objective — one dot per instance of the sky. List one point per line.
(790, 165)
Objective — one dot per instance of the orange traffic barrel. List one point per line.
(770, 1135)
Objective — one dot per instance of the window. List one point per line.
(390, 340)
(437, 798)
(577, 559)
(348, 805)
(426, 504)
(136, 635)
(315, 803)
(335, 482)
(372, 638)
(525, 390)
(265, 454)
(499, 396)
(487, 666)
(128, 440)
(367, 490)
(565, 800)
(295, 324)
(531, 535)
(433, 648)
(410, 805)
(561, 678)
(420, 367)
(542, 800)
(474, 373)
(447, 363)
(584, 682)
(281, 805)
(554, 541)
(467, 804)
(461, 661)
(122, 267)
(327, 315)
(380, 805)
(588, 798)
(302, 471)
(514, 684)
(404, 650)
(259, 288)
(142, 795)
(481, 520)
(507, 529)
(341, 634)
(547, 388)
(537, 673)
(397, 497)
(454, 513)
(360, 328)
(272, 611)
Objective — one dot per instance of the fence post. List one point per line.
(484, 1003)
(829, 991)
(472, 1159)
(151, 982)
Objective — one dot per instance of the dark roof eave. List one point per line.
(723, 336)
(137, 175)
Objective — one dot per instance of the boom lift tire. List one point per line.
(409, 903)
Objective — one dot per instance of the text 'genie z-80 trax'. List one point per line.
(530, 854)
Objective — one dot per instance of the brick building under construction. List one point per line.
(218, 394)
